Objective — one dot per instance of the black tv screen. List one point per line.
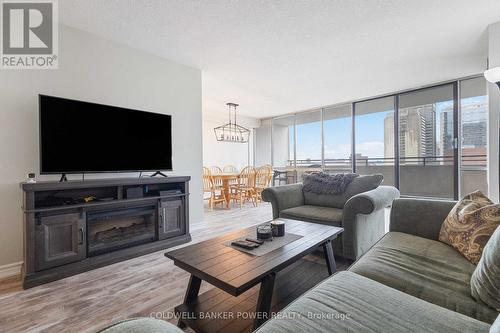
(82, 137)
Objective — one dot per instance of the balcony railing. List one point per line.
(476, 162)
(429, 176)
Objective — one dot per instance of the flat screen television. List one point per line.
(83, 137)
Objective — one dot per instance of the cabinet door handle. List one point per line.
(81, 236)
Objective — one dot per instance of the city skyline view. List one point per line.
(371, 130)
(426, 165)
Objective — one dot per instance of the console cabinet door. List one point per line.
(171, 218)
(60, 239)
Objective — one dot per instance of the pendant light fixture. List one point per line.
(232, 132)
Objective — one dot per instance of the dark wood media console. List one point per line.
(75, 226)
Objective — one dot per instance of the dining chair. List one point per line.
(218, 183)
(231, 169)
(263, 178)
(216, 195)
(245, 188)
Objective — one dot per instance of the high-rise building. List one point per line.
(417, 132)
(474, 120)
(446, 128)
(389, 135)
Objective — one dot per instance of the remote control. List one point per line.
(245, 244)
(256, 241)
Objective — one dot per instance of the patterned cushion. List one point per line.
(485, 281)
(470, 225)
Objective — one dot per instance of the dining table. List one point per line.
(226, 178)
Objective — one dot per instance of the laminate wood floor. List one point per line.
(139, 287)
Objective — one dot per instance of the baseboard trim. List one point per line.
(10, 270)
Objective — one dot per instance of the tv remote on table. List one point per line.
(245, 244)
(256, 241)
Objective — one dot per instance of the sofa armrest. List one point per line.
(364, 220)
(419, 217)
(370, 201)
(283, 197)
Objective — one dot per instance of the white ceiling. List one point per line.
(279, 56)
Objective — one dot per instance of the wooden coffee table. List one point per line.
(238, 304)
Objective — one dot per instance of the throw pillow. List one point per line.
(470, 224)
(485, 281)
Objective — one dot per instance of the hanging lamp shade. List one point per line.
(232, 132)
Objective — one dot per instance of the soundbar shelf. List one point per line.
(101, 203)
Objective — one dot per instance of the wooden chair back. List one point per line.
(247, 177)
(214, 170)
(207, 180)
(263, 176)
(231, 169)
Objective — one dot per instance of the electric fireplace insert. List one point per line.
(112, 230)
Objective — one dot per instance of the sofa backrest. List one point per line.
(358, 185)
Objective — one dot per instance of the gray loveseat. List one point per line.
(359, 210)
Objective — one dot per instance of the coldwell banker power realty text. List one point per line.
(29, 34)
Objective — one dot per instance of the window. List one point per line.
(308, 147)
(473, 129)
(374, 138)
(433, 145)
(337, 134)
(309, 138)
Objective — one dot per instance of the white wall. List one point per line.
(226, 153)
(101, 71)
(494, 110)
(263, 143)
(281, 145)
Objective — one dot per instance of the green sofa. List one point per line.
(359, 210)
(142, 325)
(411, 259)
(407, 282)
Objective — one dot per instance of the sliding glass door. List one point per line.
(427, 145)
